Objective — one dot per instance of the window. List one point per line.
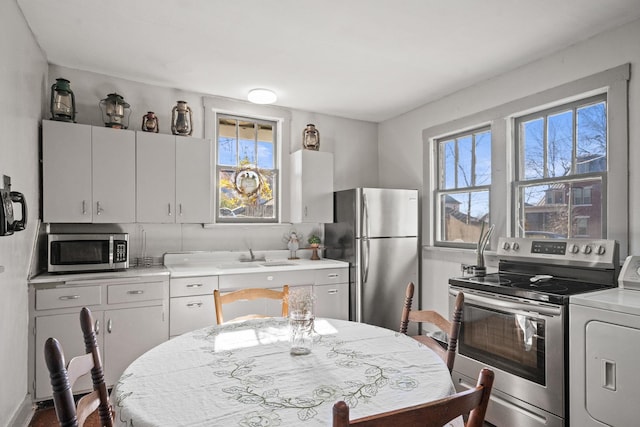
(246, 170)
(464, 180)
(562, 165)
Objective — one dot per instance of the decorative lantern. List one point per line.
(63, 102)
(113, 111)
(311, 138)
(150, 122)
(181, 119)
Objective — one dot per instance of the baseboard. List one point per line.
(22, 417)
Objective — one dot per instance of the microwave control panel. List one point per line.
(120, 252)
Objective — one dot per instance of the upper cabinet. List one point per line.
(173, 179)
(88, 173)
(311, 186)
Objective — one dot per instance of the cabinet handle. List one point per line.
(270, 278)
(194, 285)
(169, 206)
(68, 297)
(84, 207)
(135, 292)
(109, 325)
(180, 207)
(98, 208)
(305, 211)
(332, 291)
(194, 304)
(97, 327)
(333, 275)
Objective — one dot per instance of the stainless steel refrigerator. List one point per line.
(376, 231)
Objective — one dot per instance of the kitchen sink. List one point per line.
(278, 263)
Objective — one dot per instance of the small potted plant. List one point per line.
(314, 243)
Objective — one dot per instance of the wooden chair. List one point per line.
(250, 294)
(64, 376)
(431, 414)
(451, 328)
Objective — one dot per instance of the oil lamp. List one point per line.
(150, 122)
(63, 102)
(311, 138)
(113, 111)
(181, 119)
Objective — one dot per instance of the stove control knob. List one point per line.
(515, 246)
(506, 246)
(586, 250)
(600, 250)
(574, 249)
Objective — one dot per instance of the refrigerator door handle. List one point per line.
(367, 227)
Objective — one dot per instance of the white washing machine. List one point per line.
(604, 350)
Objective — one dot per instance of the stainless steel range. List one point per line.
(516, 322)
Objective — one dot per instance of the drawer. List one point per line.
(274, 279)
(328, 276)
(133, 292)
(189, 313)
(186, 286)
(73, 296)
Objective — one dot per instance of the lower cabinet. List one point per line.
(332, 293)
(191, 303)
(129, 318)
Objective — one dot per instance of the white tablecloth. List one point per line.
(241, 374)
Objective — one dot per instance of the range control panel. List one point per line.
(580, 252)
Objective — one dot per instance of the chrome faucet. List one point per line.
(252, 257)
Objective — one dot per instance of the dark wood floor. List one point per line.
(46, 417)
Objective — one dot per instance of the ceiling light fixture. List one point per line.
(262, 96)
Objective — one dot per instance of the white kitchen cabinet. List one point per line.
(173, 179)
(332, 293)
(311, 186)
(130, 317)
(88, 173)
(191, 303)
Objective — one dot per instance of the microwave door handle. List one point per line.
(111, 245)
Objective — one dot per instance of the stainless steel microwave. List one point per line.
(87, 252)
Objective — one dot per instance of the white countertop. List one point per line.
(69, 278)
(616, 299)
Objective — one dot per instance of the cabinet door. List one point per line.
(193, 180)
(332, 301)
(155, 177)
(114, 174)
(312, 186)
(128, 333)
(66, 329)
(192, 312)
(66, 172)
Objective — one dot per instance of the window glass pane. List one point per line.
(266, 146)
(247, 151)
(592, 138)
(559, 144)
(547, 213)
(462, 215)
(464, 168)
(448, 149)
(227, 144)
(532, 143)
(483, 158)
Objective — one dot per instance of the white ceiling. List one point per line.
(361, 59)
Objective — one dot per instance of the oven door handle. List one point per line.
(506, 304)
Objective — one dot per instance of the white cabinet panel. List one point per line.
(191, 312)
(311, 186)
(332, 301)
(155, 177)
(193, 180)
(66, 172)
(188, 286)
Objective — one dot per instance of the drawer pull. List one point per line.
(194, 304)
(332, 291)
(109, 325)
(68, 297)
(195, 285)
(333, 275)
(97, 327)
(135, 292)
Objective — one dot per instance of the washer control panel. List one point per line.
(630, 273)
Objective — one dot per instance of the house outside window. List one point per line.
(246, 170)
(562, 165)
(463, 193)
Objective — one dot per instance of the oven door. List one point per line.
(523, 342)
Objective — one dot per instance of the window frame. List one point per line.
(440, 190)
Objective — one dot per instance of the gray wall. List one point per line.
(401, 146)
(23, 82)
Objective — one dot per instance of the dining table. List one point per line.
(243, 374)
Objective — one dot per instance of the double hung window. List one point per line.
(463, 192)
(561, 171)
